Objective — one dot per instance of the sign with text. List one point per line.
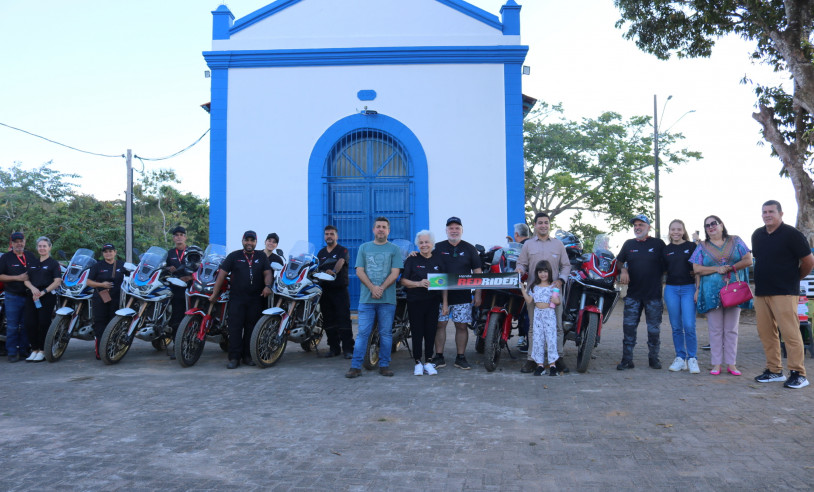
(449, 281)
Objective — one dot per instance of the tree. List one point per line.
(782, 33)
(602, 166)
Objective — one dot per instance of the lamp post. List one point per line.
(656, 158)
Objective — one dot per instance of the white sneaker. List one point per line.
(429, 369)
(419, 369)
(31, 357)
(40, 357)
(692, 363)
(678, 365)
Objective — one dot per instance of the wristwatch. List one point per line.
(269, 286)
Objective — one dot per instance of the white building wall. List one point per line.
(276, 115)
(365, 23)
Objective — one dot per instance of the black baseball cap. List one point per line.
(108, 246)
(180, 229)
(17, 235)
(454, 220)
(274, 236)
(250, 234)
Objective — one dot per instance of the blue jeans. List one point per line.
(630, 321)
(16, 334)
(368, 314)
(681, 309)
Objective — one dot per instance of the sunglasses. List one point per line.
(712, 224)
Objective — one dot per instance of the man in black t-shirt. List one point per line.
(249, 285)
(14, 267)
(642, 268)
(782, 258)
(335, 301)
(175, 265)
(459, 257)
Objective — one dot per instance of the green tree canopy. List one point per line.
(782, 34)
(601, 166)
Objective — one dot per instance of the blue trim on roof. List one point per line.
(217, 156)
(325, 143)
(261, 14)
(222, 19)
(461, 6)
(366, 56)
(515, 178)
(510, 17)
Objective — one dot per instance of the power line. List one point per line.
(61, 144)
(175, 154)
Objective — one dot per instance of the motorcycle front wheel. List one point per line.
(477, 327)
(493, 330)
(588, 342)
(188, 348)
(115, 342)
(371, 360)
(57, 338)
(267, 346)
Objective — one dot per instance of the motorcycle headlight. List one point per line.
(593, 275)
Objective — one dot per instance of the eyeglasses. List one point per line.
(712, 224)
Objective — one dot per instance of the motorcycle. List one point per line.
(499, 309)
(401, 321)
(590, 296)
(145, 307)
(296, 315)
(203, 320)
(74, 314)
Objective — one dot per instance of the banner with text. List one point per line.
(450, 281)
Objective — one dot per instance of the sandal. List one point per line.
(733, 372)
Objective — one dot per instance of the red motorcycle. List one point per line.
(203, 320)
(499, 307)
(590, 295)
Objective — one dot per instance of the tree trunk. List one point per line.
(793, 158)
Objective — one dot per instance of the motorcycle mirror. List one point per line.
(279, 253)
(480, 248)
(324, 276)
(176, 282)
(129, 267)
(276, 266)
(62, 254)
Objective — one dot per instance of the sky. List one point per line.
(108, 76)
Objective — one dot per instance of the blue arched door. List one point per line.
(368, 173)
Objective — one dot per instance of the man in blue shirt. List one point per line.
(378, 265)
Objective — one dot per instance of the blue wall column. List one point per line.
(217, 156)
(515, 175)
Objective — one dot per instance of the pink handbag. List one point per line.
(735, 293)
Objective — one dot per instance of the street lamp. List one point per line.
(656, 153)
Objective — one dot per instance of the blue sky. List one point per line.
(107, 75)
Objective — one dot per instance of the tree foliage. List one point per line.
(44, 202)
(782, 34)
(601, 166)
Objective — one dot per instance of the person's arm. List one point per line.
(339, 265)
(565, 269)
(806, 265)
(98, 285)
(444, 303)
(218, 284)
(523, 260)
(267, 278)
(391, 279)
(526, 295)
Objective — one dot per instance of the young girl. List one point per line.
(545, 298)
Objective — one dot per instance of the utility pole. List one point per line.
(656, 162)
(128, 210)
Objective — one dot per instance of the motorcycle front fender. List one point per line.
(126, 312)
(272, 311)
(65, 311)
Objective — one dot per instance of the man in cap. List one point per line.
(250, 284)
(642, 268)
(459, 257)
(175, 265)
(14, 266)
(105, 277)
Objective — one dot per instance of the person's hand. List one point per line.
(695, 297)
(624, 278)
(376, 292)
(266, 292)
(171, 269)
(36, 293)
(558, 283)
(213, 298)
(186, 278)
(23, 277)
(424, 283)
(413, 253)
(445, 309)
(108, 285)
(330, 272)
(478, 298)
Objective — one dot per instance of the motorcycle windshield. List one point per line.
(405, 246)
(213, 256)
(154, 259)
(81, 261)
(602, 253)
(302, 256)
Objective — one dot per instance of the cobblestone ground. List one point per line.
(148, 424)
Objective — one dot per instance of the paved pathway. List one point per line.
(148, 424)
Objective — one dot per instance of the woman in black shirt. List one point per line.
(422, 304)
(43, 280)
(679, 296)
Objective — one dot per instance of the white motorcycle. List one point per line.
(74, 316)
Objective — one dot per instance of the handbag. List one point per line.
(735, 293)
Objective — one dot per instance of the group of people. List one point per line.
(696, 271)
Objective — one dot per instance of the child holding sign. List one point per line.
(545, 298)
